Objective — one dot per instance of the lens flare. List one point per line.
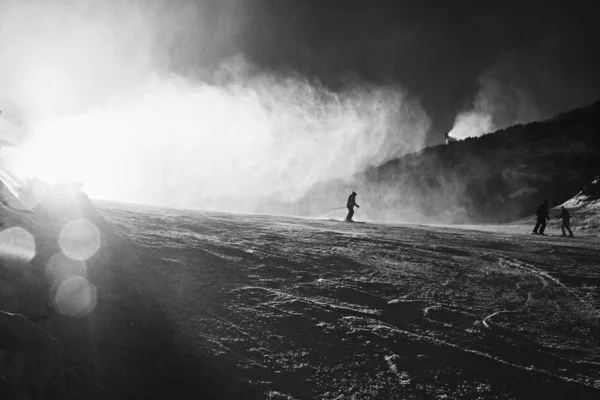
(60, 266)
(79, 239)
(17, 244)
(74, 296)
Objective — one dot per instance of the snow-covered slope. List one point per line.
(585, 207)
(185, 305)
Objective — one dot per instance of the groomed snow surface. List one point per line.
(210, 305)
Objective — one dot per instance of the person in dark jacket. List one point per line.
(542, 216)
(566, 222)
(351, 203)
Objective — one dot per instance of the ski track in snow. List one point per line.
(313, 309)
(544, 276)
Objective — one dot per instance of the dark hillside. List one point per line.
(498, 177)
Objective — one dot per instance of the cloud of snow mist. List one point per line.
(499, 103)
(65, 56)
(99, 103)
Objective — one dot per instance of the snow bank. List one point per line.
(585, 207)
(38, 281)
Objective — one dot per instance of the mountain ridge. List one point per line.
(496, 178)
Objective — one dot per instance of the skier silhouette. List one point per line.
(566, 222)
(351, 203)
(542, 216)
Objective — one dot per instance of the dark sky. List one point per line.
(436, 50)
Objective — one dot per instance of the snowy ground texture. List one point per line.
(241, 306)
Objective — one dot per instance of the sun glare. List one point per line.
(174, 141)
(53, 157)
(71, 149)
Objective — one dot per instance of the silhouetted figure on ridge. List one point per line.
(351, 203)
(566, 222)
(542, 216)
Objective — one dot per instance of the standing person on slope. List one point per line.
(351, 203)
(542, 216)
(566, 222)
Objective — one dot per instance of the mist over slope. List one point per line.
(498, 177)
(108, 80)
